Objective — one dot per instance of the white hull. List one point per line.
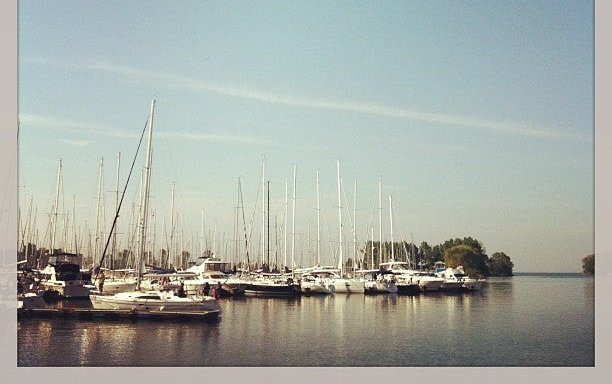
(342, 285)
(234, 286)
(317, 287)
(373, 287)
(429, 284)
(154, 301)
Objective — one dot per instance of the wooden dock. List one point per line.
(90, 313)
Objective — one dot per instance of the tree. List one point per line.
(588, 265)
(500, 264)
(474, 264)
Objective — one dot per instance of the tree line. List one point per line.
(467, 252)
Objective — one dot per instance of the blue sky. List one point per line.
(478, 116)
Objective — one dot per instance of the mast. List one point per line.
(145, 202)
(268, 225)
(171, 253)
(372, 249)
(340, 259)
(354, 224)
(293, 225)
(99, 213)
(318, 221)
(114, 251)
(285, 223)
(54, 219)
(202, 230)
(391, 222)
(380, 243)
(263, 210)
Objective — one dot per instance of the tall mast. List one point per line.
(391, 222)
(99, 213)
(318, 222)
(55, 207)
(114, 251)
(171, 253)
(268, 226)
(380, 243)
(145, 202)
(293, 224)
(340, 256)
(286, 217)
(354, 224)
(263, 210)
(236, 230)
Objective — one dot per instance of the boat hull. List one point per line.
(317, 288)
(348, 286)
(159, 301)
(379, 287)
(71, 289)
(272, 290)
(408, 289)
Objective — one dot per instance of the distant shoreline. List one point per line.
(552, 274)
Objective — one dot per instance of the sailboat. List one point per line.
(276, 284)
(152, 300)
(340, 281)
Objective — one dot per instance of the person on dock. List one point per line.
(206, 289)
(181, 291)
(101, 278)
(217, 291)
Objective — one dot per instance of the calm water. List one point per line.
(526, 320)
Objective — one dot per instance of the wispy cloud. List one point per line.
(376, 109)
(35, 121)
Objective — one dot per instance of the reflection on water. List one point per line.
(512, 322)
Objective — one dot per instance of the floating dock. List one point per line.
(90, 313)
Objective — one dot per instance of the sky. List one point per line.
(476, 116)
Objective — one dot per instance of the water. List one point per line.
(525, 320)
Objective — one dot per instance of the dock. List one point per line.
(90, 313)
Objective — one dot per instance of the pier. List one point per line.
(90, 313)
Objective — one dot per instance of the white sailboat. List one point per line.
(152, 300)
(341, 282)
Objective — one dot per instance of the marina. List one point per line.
(304, 185)
(509, 323)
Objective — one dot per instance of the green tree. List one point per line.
(588, 265)
(474, 264)
(500, 264)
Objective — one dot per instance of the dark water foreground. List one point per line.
(526, 320)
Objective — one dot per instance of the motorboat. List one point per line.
(230, 285)
(314, 284)
(339, 283)
(455, 279)
(375, 282)
(62, 277)
(408, 277)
